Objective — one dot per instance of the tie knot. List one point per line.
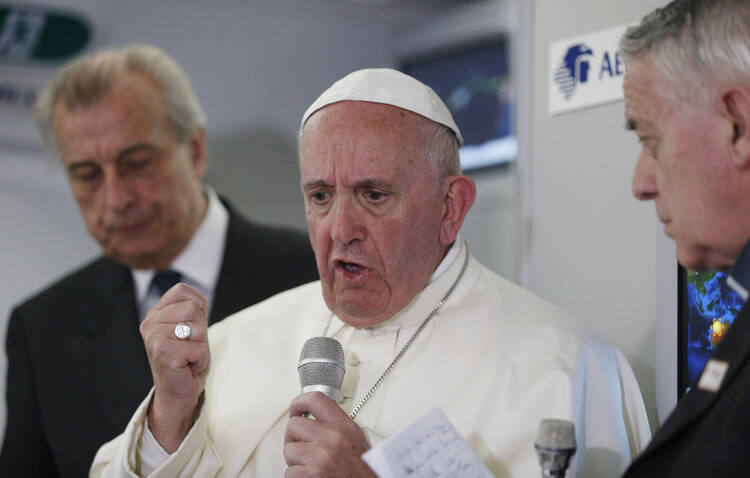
(164, 280)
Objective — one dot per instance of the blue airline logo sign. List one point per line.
(573, 69)
(586, 71)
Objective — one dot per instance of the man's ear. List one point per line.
(198, 152)
(736, 103)
(460, 192)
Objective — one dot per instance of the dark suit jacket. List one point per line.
(707, 433)
(77, 366)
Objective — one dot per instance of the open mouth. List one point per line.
(349, 267)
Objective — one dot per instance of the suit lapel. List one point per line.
(233, 291)
(109, 352)
(107, 347)
(250, 271)
(734, 349)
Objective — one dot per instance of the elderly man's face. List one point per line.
(372, 208)
(685, 168)
(139, 191)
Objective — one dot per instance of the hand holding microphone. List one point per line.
(332, 443)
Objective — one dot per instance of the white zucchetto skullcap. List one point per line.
(390, 87)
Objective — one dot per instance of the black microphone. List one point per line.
(321, 367)
(555, 445)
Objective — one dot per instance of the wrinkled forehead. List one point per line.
(645, 98)
(366, 135)
(376, 128)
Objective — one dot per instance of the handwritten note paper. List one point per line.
(429, 448)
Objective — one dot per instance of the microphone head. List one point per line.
(555, 445)
(321, 367)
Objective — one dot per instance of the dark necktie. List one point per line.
(164, 280)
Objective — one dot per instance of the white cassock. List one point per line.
(496, 359)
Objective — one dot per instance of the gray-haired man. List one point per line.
(687, 97)
(130, 133)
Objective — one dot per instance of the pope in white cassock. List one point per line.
(384, 202)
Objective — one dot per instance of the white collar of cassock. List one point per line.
(420, 307)
(200, 262)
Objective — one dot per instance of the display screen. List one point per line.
(474, 82)
(708, 306)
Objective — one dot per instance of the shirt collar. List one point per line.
(448, 259)
(739, 276)
(200, 261)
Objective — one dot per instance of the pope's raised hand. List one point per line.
(179, 366)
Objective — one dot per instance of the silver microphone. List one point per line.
(555, 445)
(321, 367)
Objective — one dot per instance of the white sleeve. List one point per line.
(639, 429)
(151, 453)
(121, 457)
(611, 422)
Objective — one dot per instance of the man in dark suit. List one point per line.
(687, 97)
(130, 132)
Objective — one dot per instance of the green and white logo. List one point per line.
(32, 34)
